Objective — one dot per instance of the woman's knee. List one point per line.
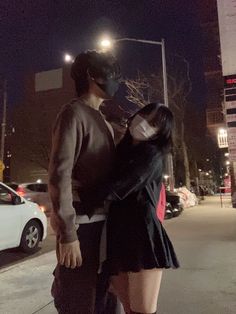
(144, 290)
(119, 287)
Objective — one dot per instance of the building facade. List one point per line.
(212, 66)
(45, 93)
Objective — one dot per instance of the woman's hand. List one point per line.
(70, 254)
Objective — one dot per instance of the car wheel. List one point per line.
(31, 237)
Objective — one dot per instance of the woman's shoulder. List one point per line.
(150, 150)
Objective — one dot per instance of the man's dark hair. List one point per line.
(96, 64)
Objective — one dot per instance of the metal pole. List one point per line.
(165, 89)
(170, 168)
(144, 41)
(3, 131)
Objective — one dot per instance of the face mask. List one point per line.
(110, 87)
(141, 130)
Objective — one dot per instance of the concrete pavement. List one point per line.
(205, 241)
(25, 287)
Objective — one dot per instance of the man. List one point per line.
(81, 162)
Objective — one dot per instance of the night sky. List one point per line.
(35, 34)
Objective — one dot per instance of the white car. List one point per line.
(36, 192)
(22, 223)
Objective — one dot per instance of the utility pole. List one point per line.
(3, 130)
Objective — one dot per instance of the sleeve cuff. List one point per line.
(69, 237)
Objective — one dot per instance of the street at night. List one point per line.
(118, 121)
(204, 237)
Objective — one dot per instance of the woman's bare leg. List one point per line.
(120, 287)
(144, 289)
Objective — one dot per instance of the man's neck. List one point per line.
(92, 100)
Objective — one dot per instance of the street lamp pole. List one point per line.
(3, 131)
(163, 54)
(161, 43)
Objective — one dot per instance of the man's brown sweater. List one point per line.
(81, 160)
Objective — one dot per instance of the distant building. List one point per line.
(29, 146)
(212, 66)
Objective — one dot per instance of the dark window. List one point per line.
(14, 186)
(38, 187)
(42, 187)
(32, 187)
(5, 196)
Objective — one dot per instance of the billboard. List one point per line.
(227, 26)
(47, 80)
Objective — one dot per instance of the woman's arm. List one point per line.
(136, 174)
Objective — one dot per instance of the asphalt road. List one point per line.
(14, 256)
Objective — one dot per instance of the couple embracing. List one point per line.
(97, 188)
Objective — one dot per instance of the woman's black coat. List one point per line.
(138, 172)
(136, 237)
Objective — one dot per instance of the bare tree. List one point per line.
(138, 90)
(149, 88)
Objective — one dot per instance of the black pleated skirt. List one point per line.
(137, 240)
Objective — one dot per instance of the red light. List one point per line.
(231, 81)
(20, 191)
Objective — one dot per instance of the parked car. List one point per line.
(35, 192)
(169, 211)
(174, 200)
(22, 223)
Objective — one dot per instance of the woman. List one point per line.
(138, 247)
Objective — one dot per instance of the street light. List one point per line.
(107, 43)
(68, 58)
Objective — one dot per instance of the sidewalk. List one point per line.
(205, 240)
(25, 287)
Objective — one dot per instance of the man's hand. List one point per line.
(70, 254)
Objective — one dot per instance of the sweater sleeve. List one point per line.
(135, 175)
(66, 139)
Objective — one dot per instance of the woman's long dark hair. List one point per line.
(162, 118)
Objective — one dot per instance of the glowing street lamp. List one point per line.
(68, 58)
(106, 43)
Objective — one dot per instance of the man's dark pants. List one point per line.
(74, 290)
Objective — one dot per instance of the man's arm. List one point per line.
(65, 142)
